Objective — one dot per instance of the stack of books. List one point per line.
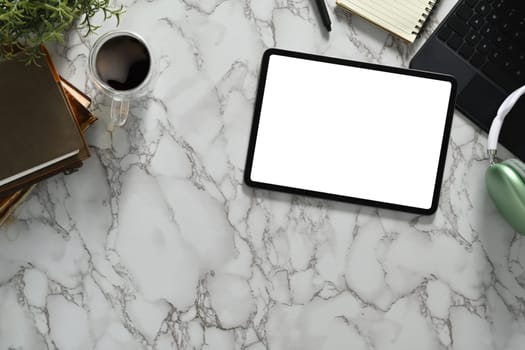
(43, 119)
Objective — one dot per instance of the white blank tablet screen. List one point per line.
(350, 131)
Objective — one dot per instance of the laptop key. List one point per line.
(455, 41)
(507, 65)
(444, 33)
(466, 51)
(482, 9)
(476, 21)
(477, 60)
(500, 5)
(496, 57)
(458, 26)
(500, 40)
(513, 14)
(493, 17)
(511, 50)
(520, 58)
(504, 27)
(473, 38)
(485, 46)
(519, 74)
(465, 12)
(489, 31)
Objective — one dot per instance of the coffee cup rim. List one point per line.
(93, 69)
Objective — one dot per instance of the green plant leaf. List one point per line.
(27, 24)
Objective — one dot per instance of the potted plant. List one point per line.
(25, 25)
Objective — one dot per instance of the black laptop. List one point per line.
(482, 44)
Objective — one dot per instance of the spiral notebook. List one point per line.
(402, 18)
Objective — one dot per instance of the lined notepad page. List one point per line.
(403, 18)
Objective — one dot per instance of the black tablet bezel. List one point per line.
(331, 196)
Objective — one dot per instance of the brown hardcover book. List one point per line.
(40, 135)
(79, 104)
(10, 203)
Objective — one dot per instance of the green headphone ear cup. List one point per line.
(518, 167)
(506, 185)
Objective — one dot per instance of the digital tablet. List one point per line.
(350, 131)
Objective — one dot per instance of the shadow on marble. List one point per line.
(336, 206)
(319, 21)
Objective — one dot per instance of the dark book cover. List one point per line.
(38, 126)
(79, 103)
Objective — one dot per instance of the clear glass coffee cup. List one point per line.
(122, 66)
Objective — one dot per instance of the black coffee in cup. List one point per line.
(123, 62)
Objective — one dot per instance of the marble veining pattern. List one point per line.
(157, 244)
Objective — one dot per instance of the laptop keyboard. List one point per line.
(490, 34)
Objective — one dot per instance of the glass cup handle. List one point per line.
(119, 112)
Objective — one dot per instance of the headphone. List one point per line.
(506, 181)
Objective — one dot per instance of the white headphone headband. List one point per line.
(503, 110)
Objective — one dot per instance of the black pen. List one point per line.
(323, 11)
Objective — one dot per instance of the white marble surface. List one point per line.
(157, 244)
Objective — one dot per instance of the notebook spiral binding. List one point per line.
(424, 16)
